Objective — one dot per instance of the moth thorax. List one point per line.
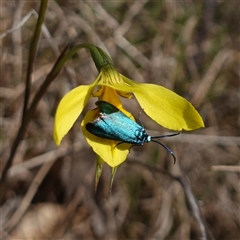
(142, 136)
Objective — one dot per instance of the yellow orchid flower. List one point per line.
(162, 105)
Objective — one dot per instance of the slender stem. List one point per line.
(49, 79)
(24, 123)
(28, 116)
(195, 210)
(26, 201)
(193, 206)
(32, 54)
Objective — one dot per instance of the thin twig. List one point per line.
(26, 116)
(19, 25)
(29, 114)
(45, 158)
(193, 206)
(70, 210)
(225, 168)
(187, 191)
(29, 196)
(204, 139)
(120, 40)
(17, 43)
(208, 79)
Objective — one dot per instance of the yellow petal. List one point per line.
(167, 108)
(107, 150)
(68, 110)
(163, 105)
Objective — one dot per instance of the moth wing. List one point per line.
(122, 127)
(106, 107)
(99, 129)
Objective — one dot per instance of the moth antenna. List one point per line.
(169, 135)
(168, 149)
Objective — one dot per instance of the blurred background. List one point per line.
(190, 47)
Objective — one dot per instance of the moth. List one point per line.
(115, 125)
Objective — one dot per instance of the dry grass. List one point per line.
(191, 47)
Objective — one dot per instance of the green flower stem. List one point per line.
(32, 54)
(98, 173)
(29, 113)
(49, 79)
(99, 57)
(114, 169)
(24, 123)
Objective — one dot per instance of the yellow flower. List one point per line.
(162, 105)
